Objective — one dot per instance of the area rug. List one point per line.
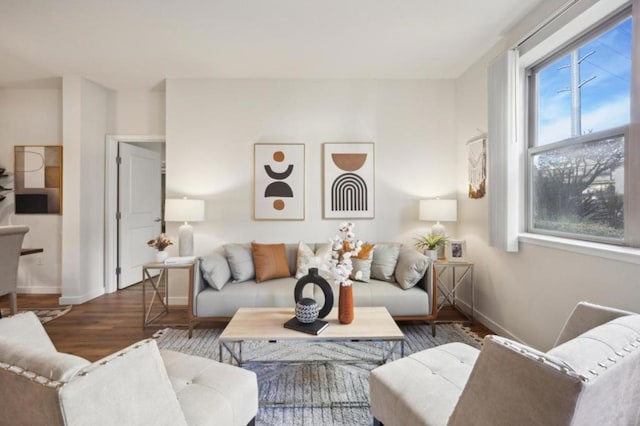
(322, 393)
(44, 314)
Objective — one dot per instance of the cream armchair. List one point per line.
(590, 377)
(139, 385)
(11, 238)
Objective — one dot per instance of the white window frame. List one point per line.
(559, 29)
(630, 226)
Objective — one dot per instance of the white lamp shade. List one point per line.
(439, 210)
(183, 210)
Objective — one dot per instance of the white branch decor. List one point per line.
(343, 247)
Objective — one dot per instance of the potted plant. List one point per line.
(429, 244)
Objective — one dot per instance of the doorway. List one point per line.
(134, 206)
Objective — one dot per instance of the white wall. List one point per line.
(137, 112)
(85, 123)
(32, 117)
(213, 124)
(527, 295)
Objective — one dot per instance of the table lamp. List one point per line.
(184, 210)
(438, 210)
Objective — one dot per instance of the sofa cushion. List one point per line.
(240, 261)
(385, 257)
(270, 261)
(56, 366)
(321, 259)
(411, 267)
(215, 270)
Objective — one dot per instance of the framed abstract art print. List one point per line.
(348, 180)
(278, 192)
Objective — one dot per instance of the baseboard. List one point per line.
(38, 289)
(78, 300)
(178, 301)
(487, 322)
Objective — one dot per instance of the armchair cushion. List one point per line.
(129, 387)
(204, 387)
(423, 388)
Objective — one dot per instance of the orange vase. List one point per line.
(345, 304)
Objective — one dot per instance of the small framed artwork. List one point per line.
(457, 251)
(278, 181)
(348, 176)
(38, 179)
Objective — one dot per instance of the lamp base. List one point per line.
(437, 230)
(185, 240)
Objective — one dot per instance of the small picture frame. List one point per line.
(457, 251)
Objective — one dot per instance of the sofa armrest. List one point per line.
(586, 316)
(196, 286)
(129, 387)
(426, 283)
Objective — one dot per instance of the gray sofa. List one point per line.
(207, 303)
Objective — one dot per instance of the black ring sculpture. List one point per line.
(314, 278)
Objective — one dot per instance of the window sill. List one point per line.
(606, 251)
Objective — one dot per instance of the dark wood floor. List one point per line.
(113, 321)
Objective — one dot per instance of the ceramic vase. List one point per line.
(306, 310)
(161, 256)
(345, 304)
(432, 254)
(314, 278)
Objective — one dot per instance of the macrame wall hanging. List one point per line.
(477, 166)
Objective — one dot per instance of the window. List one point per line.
(579, 103)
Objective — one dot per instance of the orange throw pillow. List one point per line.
(270, 261)
(366, 250)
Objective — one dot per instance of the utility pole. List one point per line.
(576, 85)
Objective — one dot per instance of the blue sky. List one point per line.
(605, 99)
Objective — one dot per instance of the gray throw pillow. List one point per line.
(385, 257)
(215, 270)
(411, 267)
(364, 267)
(240, 260)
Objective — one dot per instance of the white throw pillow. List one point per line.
(321, 259)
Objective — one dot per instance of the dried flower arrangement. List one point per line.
(343, 246)
(160, 243)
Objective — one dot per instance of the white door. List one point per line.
(140, 198)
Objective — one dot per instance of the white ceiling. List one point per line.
(139, 43)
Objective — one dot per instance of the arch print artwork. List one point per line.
(348, 180)
(278, 181)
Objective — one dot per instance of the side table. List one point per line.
(160, 286)
(460, 271)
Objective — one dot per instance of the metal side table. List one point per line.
(461, 273)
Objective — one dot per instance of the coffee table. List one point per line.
(371, 324)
